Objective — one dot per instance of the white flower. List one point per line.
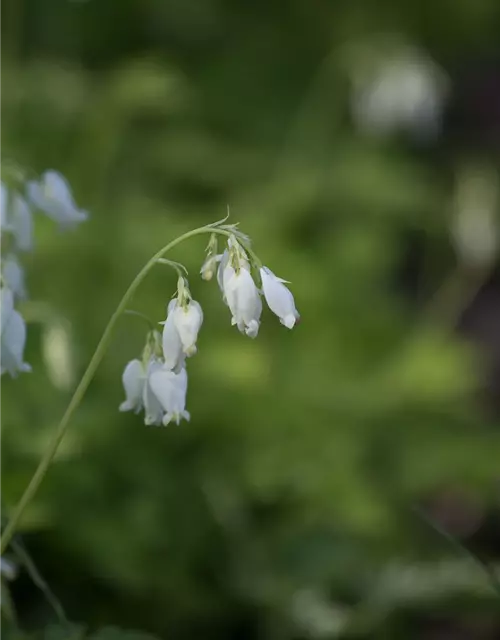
(13, 342)
(20, 223)
(243, 299)
(279, 298)
(188, 320)
(152, 407)
(406, 91)
(8, 569)
(52, 195)
(7, 305)
(133, 379)
(4, 199)
(171, 341)
(13, 276)
(170, 389)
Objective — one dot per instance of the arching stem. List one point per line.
(87, 377)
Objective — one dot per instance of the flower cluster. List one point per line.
(51, 196)
(157, 382)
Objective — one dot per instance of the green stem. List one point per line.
(87, 377)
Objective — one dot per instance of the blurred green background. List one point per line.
(295, 503)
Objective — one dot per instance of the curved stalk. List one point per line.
(87, 377)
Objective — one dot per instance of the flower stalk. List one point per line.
(88, 375)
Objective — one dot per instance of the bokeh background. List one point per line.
(337, 481)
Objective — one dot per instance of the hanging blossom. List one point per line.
(52, 195)
(18, 202)
(157, 382)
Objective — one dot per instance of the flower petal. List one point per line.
(170, 388)
(133, 378)
(22, 224)
(7, 305)
(13, 342)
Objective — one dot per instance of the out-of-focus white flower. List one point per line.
(243, 299)
(7, 305)
(133, 379)
(188, 319)
(58, 355)
(171, 341)
(13, 343)
(475, 226)
(4, 199)
(170, 388)
(404, 91)
(52, 195)
(13, 276)
(20, 223)
(279, 298)
(8, 569)
(153, 409)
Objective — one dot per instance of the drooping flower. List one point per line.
(7, 305)
(13, 276)
(20, 223)
(13, 343)
(153, 410)
(4, 199)
(171, 341)
(133, 379)
(188, 319)
(279, 298)
(53, 196)
(243, 299)
(170, 389)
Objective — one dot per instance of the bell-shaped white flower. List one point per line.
(13, 276)
(279, 298)
(188, 320)
(170, 388)
(20, 223)
(153, 410)
(243, 299)
(173, 354)
(13, 342)
(52, 195)
(7, 305)
(133, 379)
